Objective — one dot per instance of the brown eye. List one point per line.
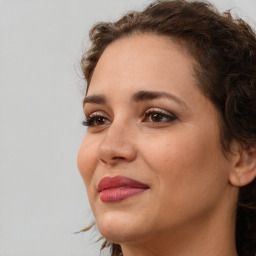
(97, 120)
(158, 116)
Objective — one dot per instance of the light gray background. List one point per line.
(42, 197)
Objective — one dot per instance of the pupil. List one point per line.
(156, 117)
(100, 120)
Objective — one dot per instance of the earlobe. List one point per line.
(244, 171)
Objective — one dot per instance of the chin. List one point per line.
(119, 227)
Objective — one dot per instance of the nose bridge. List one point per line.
(117, 145)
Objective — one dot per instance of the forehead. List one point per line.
(140, 62)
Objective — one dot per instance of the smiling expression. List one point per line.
(148, 121)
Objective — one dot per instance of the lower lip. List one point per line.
(119, 194)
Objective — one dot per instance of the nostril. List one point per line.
(118, 158)
(103, 161)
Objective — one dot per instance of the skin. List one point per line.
(189, 208)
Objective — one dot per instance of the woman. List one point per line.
(169, 157)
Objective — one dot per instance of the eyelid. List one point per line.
(89, 114)
(161, 111)
(96, 113)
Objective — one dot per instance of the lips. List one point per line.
(118, 188)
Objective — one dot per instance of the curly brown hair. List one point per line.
(224, 49)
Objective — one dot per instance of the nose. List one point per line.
(117, 146)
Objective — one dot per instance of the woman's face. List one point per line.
(149, 122)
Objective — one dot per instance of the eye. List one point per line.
(158, 116)
(95, 120)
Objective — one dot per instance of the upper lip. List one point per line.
(119, 181)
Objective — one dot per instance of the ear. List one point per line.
(244, 171)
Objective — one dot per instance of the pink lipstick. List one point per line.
(114, 189)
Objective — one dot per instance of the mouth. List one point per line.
(118, 188)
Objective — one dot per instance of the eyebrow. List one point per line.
(137, 97)
(151, 95)
(96, 99)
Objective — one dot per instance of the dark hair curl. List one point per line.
(224, 49)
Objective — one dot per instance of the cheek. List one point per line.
(176, 153)
(189, 173)
(87, 160)
(189, 165)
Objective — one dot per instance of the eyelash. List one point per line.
(90, 120)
